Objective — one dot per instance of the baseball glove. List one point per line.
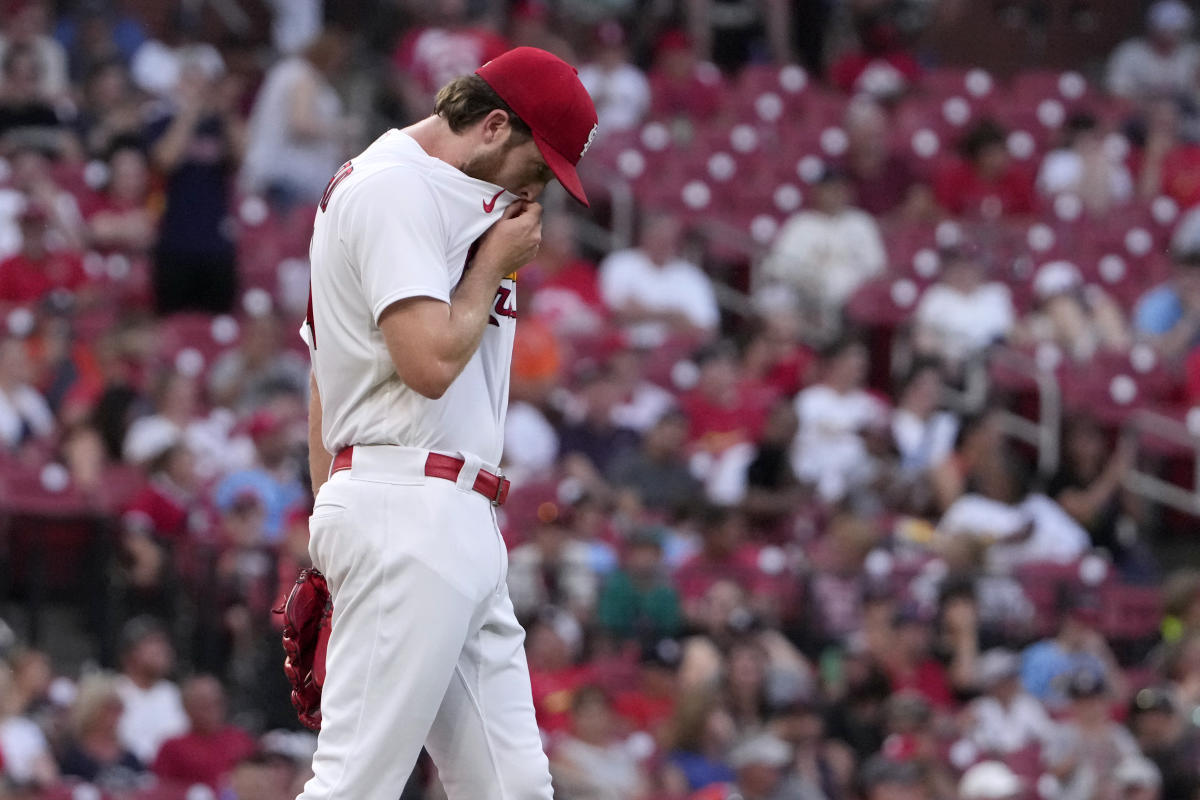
(307, 615)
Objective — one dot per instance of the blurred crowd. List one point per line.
(767, 538)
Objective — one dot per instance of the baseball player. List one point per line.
(410, 327)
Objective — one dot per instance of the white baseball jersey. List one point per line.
(396, 223)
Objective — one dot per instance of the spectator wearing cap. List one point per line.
(840, 422)
(618, 88)
(275, 479)
(1167, 738)
(197, 145)
(761, 763)
(638, 599)
(591, 760)
(882, 182)
(551, 569)
(95, 751)
(1077, 648)
(1006, 719)
(1081, 320)
(152, 708)
(1164, 62)
(683, 85)
(909, 661)
(1083, 165)
(882, 778)
(649, 704)
(298, 132)
(985, 181)
(1089, 746)
(827, 251)
(24, 414)
(38, 273)
(211, 748)
(654, 292)
(913, 736)
(963, 313)
(990, 780)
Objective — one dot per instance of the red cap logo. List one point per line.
(545, 92)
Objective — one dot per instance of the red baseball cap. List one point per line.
(545, 92)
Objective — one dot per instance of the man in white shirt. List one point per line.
(964, 313)
(828, 251)
(1006, 718)
(153, 709)
(24, 413)
(654, 292)
(1164, 63)
(619, 89)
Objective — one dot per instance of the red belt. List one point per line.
(493, 487)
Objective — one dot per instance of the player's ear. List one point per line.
(494, 125)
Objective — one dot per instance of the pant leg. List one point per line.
(399, 625)
(485, 740)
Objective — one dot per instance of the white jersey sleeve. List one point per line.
(396, 236)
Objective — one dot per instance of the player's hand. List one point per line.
(514, 240)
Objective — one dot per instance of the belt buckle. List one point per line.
(499, 488)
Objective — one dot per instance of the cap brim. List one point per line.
(563, 169)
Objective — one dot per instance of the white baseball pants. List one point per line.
(425, 648)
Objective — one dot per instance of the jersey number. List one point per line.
(340, 176)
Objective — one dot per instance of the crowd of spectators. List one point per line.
(760, 552)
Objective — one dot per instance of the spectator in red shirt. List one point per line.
(562, 287)
(725, 556)
(681, 85)
(909, 662)
(882, 66)
(882, 182)
(121, 220)
(550, 646)
(650, 704)
(985, 182)
(429, 56)
(35, 272)
(211, 748)
(724, 410)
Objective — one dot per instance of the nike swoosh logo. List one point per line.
(488, 205)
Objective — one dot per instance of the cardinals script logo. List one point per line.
(588, 143)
